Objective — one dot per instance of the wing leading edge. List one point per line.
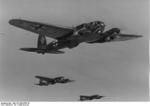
(40, 28)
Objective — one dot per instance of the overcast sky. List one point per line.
(118, 71)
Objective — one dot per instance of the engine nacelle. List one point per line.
(112, 31)
(111, 34)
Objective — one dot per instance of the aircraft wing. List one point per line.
(124, 37)
(118, 37)
(52, 31)
(43, 78)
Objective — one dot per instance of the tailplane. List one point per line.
(42, 47)
(42, 51)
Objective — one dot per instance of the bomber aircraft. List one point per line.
(71, 37)
(44, 81)
(85, 98)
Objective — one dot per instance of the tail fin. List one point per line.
(41, 43)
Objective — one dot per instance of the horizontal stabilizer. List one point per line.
(42, 50)
(30, 49)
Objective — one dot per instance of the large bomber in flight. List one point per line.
(92, 32)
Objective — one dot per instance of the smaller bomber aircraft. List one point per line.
(71, 37)
(44, 81)
(85, 98)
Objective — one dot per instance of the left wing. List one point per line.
(40, 28)
(43, 78)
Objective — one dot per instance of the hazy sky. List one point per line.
(118, 70)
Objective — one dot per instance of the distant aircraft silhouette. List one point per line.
(44, 81)
(85, 98)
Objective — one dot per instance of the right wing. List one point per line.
(124, 37)
(52, 31)
(116, 38)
